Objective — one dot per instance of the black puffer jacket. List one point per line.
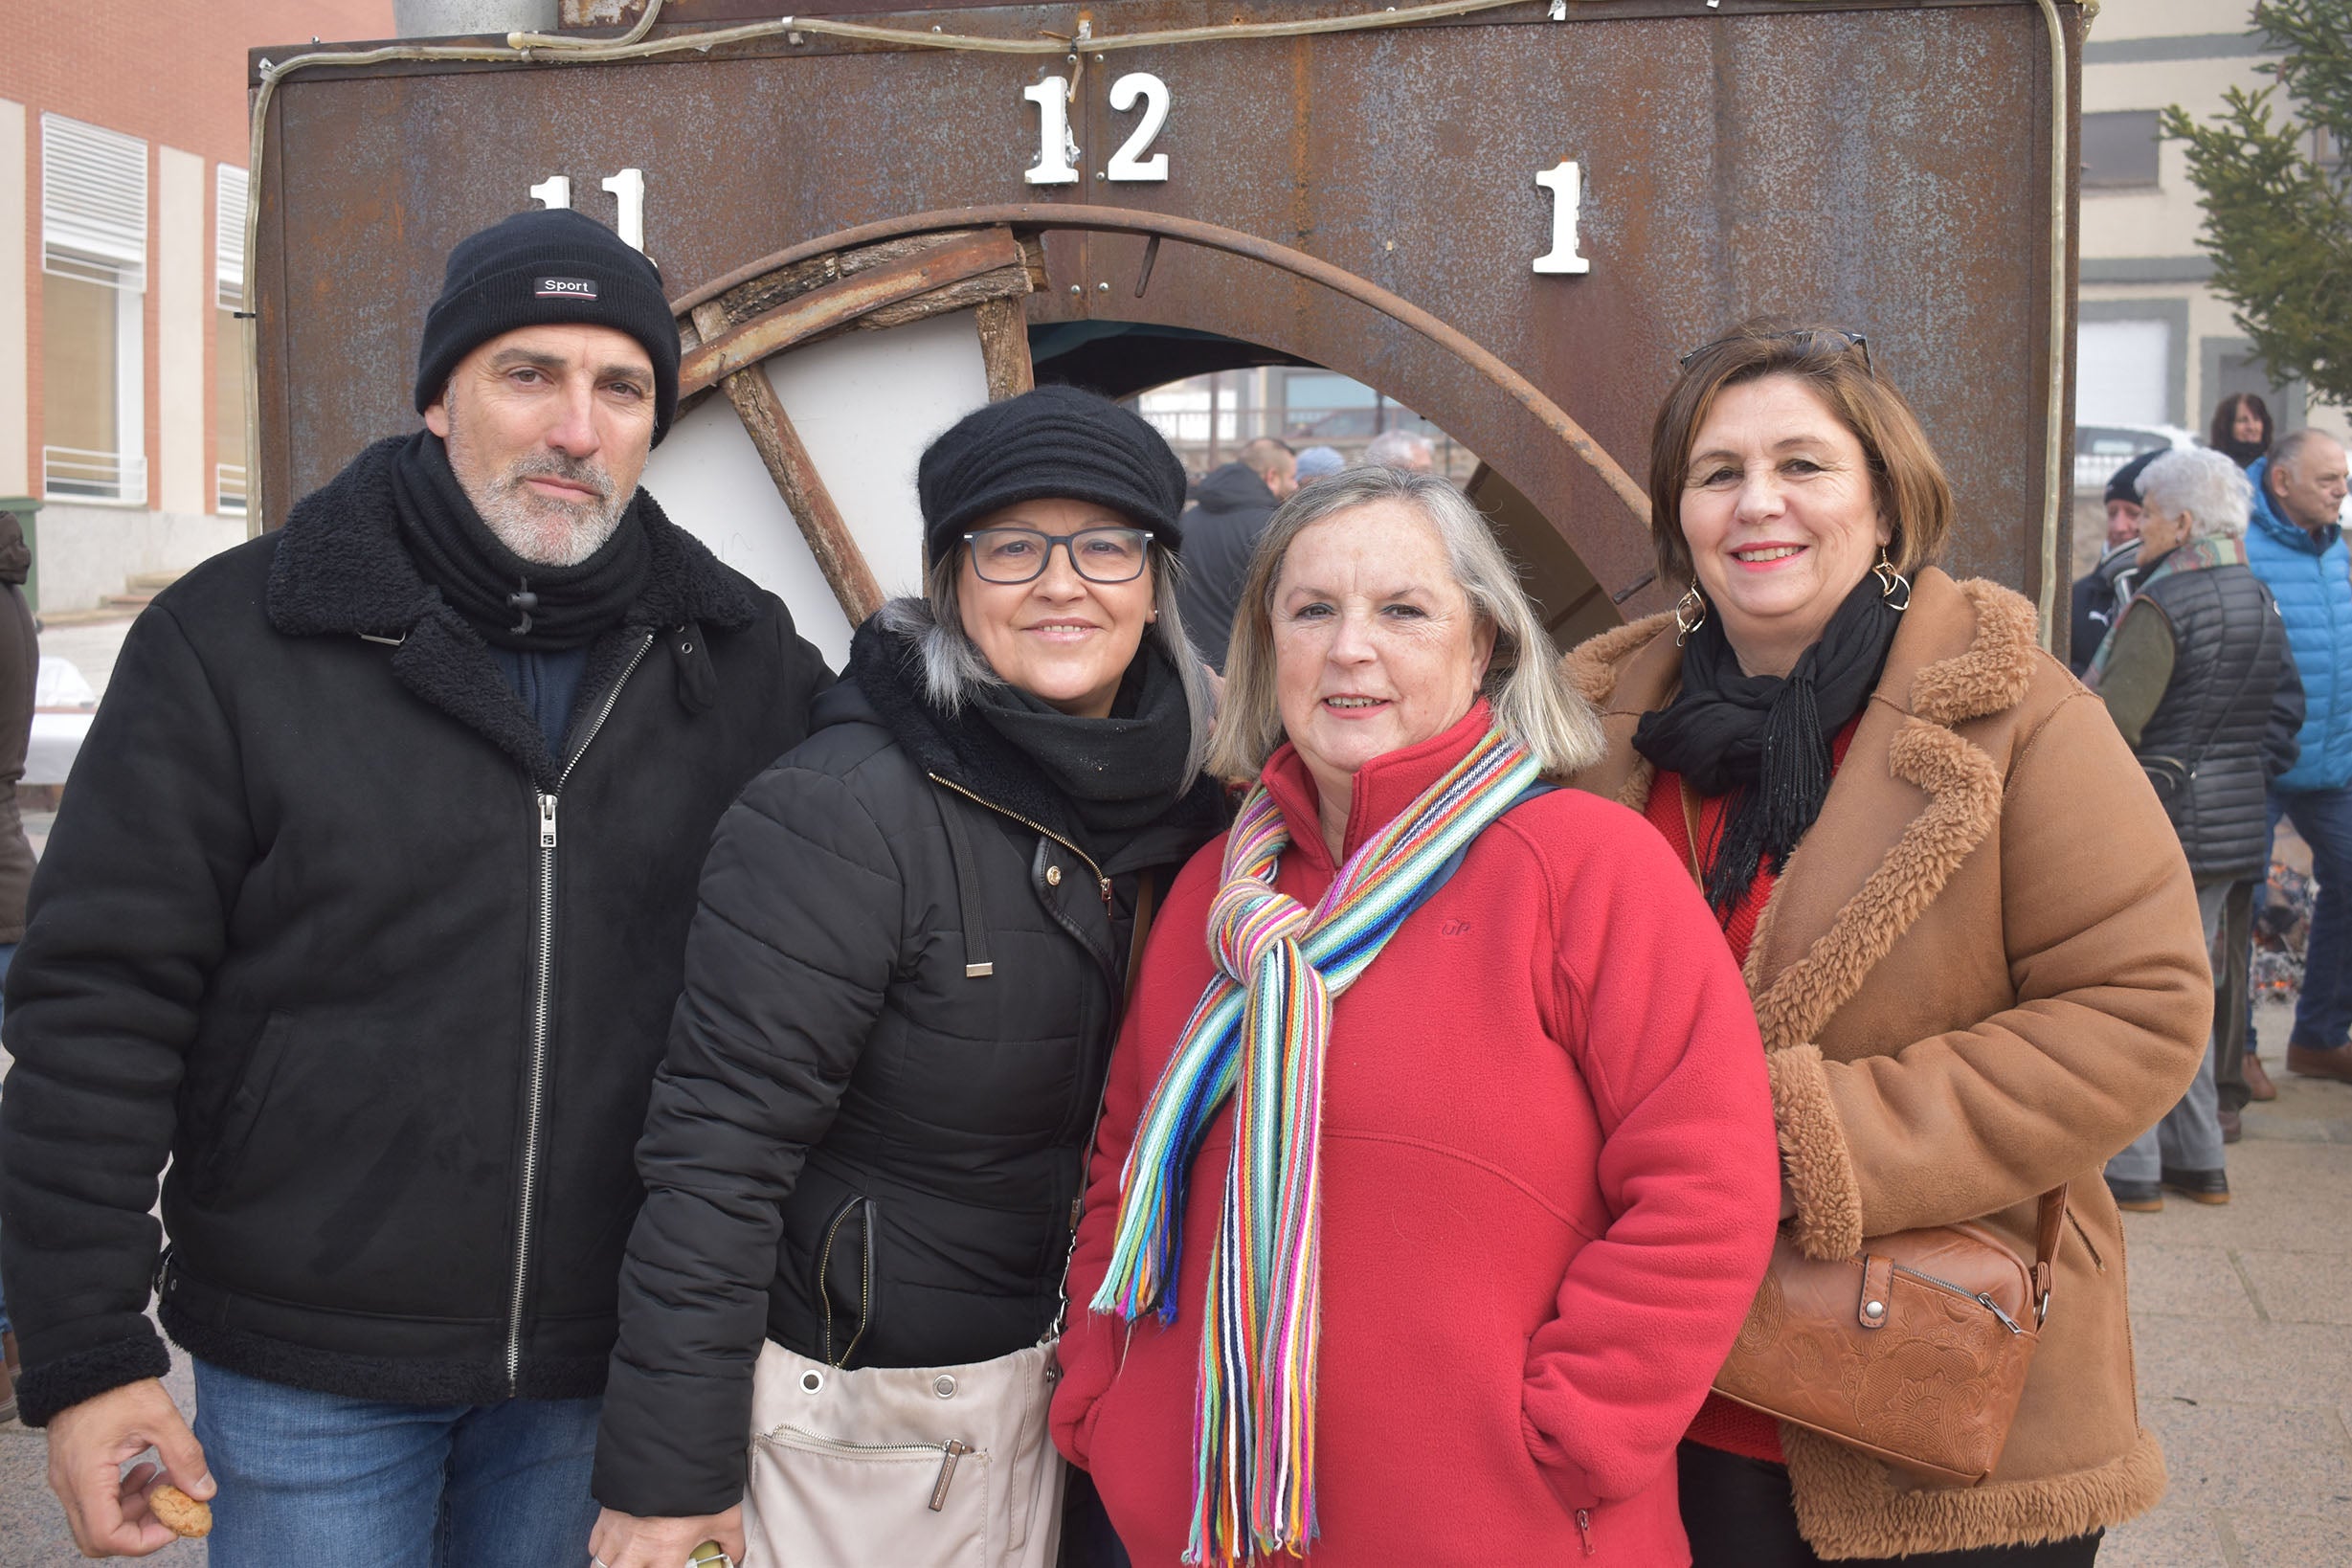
(844, 1093)
(288, 932)
(1229, 512)
(2234, 703)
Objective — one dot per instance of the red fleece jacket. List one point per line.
(1550, 1184)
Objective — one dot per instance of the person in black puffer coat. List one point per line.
(1228, 513)
(2198, 676)
(901, 990)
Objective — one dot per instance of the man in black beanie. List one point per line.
(366, 910)
(2101, 593)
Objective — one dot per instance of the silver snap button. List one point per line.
(944, 1386)
(812, 1382)
(1053, 875)
(1874, 1308)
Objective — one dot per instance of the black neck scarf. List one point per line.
(1768, 737)
(1097, 781)
(2241, 452)
(512, 602)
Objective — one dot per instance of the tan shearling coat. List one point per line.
(1981, 975)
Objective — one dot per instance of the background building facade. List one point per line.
(2155, 345)
(123, 192)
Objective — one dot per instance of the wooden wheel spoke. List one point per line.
(725, 340)
(1004, 349)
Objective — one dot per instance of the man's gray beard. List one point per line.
(543, 531)
(539, 530)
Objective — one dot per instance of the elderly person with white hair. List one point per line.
(1436, 1169)
(1402, 449)
(2198, 676)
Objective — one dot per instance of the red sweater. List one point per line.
(1549, 1190)
(1721, 1423)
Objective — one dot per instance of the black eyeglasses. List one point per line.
(1813, 338)
(1018, 555)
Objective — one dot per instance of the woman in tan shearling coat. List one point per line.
(1970, 935)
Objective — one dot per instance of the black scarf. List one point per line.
(2241, 452)
(512, 602)
(1097, 782)
(1766, 736)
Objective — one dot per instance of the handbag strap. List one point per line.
(2049, 1231)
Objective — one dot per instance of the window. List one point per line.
(2118, 151)
(232, 341)
(229, 236)
(94, 264)
(2123, 373)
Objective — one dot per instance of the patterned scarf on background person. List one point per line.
(2198, 555)
(1259, 1034)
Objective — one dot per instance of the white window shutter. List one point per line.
(228, 198)
(94, 203)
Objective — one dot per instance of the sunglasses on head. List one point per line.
(1814, 339)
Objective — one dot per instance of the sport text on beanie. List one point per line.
(1053, 442)
(548, 267)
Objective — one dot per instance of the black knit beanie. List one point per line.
(1053, 442)
(548, 267)
(2125, 486)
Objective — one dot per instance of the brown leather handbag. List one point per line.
(1915, 1352)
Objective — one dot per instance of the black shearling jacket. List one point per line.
(324, 924)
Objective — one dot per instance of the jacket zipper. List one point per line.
(1982, 1298)
(1102, 883)
(542, 1019)
(866, 1288)
(1584, 1528)
(1102, 886)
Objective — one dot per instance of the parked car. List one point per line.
(2099, 450)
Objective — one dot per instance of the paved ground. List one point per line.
(91, 646)
(2241, 1326)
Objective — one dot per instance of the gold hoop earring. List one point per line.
(1690, 614)
(1890, 582)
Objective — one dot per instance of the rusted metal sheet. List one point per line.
(1880, 165)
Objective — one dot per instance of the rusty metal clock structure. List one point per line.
(1511, 216)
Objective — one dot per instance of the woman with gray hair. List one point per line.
(1436, 1168)
(2199, 677)
(901, 990)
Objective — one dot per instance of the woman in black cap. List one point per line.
(865, 1148)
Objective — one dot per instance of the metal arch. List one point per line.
(1233, 241)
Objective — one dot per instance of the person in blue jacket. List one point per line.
(2294, 542)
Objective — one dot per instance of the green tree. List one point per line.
(2277, 206)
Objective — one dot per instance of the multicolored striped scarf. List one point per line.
(1258, 1034)
(2196, 555)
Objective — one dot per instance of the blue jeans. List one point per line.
(2189, 1137)
(320, 1478)
(2324, 1016)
